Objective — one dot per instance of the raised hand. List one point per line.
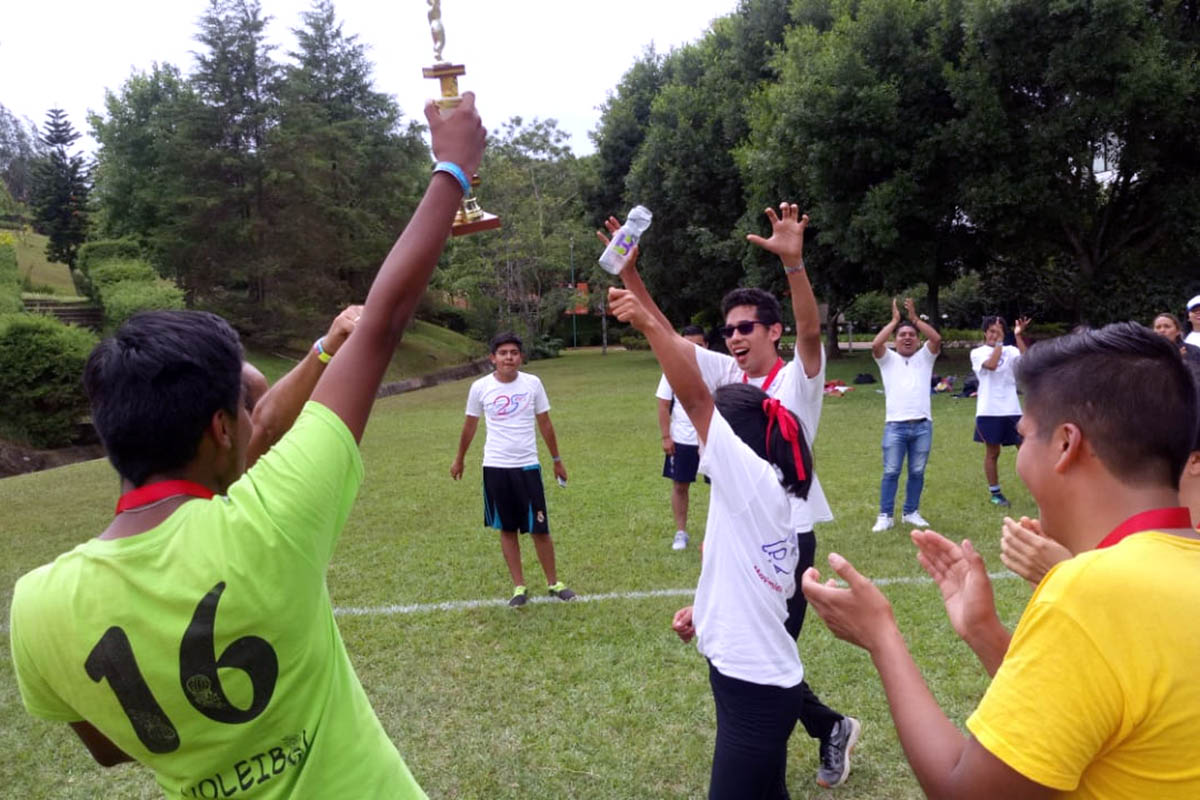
(612, 225)
(1027, 551)
(859, 614)
(625, 306)
(1022, 325)
(961, 576)
(459, 136)
(911, 308)
(787, 234)
(341, 328)
(895, 312)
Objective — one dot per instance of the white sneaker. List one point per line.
(915, 518)
(882, 523)
(681, 541)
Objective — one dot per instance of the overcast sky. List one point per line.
(533, 58)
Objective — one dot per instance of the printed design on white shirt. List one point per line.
(503, 405)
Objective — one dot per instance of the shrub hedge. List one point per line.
(107, 273)
(122, 300)
(41, 367)
(10, 279)
(92, 254)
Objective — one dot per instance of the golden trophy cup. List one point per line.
(470, 217)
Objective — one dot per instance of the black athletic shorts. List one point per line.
(998, 430)
(513, 499)
(682, 466)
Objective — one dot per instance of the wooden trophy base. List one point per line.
(485, 223)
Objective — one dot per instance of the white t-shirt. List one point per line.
(801, 395)
(906, 383)
(748, 570)
(997, 387)
(510, 409)
(682, 430)
(1192, 338)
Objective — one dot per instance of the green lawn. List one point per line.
(42, 274)
(588, 700)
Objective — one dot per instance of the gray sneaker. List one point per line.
(681, 541)
(835, 752)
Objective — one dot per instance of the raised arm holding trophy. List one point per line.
(470, 218)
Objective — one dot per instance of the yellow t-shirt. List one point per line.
(206, 648)
(1099, 694)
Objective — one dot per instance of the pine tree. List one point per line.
(60, 190)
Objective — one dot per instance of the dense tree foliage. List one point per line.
(61, 183)
(20, 149)
(1045, 150)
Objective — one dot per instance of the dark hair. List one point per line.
(505, 337)
(906, 323)
(692, 330)
(1126, 388)
(155, 385)
(741, 406)
(766, 306)
(1170, 316)
(991, 320)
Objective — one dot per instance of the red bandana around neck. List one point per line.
(1156, 519)
(770, 375)
(161, 490)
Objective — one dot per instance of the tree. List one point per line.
(60, 190)
(859, 114)
(520, 272)
(20, 149)
(1080, 141)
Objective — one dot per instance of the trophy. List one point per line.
(470, 217)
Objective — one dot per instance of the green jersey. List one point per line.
(206, 647)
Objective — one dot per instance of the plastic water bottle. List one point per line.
(613, 257)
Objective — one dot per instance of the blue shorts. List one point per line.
(998, 430)
(682, 466)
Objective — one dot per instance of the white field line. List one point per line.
(463, 605)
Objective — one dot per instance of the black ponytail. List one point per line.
(742, 407)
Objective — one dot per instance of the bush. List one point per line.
(83, 287)
(634, 341)
(107, 273)
(41, 370)
(123, 300)
(92, 254)
(545, 346)
(10, 280)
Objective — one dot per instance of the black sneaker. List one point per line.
(835, 752)
(561, 591)
(999, 499)
(519, 598)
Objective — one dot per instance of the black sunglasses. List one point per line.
(745, 328)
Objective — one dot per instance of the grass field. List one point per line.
(589, 700)
(42, 274)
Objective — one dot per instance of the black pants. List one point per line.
(816, 717)
(753, 725)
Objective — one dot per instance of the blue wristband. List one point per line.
(456, 171)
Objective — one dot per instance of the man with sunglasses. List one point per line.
(753, 326)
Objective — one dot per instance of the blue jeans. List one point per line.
(914, 437)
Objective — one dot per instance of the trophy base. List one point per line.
(487, 222)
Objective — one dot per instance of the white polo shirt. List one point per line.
(906, 384)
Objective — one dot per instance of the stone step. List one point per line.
(81, 314)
